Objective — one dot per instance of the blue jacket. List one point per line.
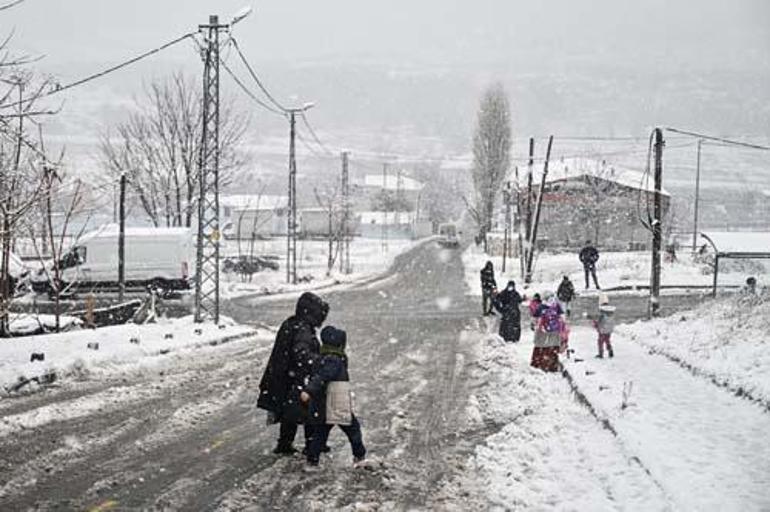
(332, 367)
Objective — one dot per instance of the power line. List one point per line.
(248, 92)
(314, 135)
(10, 4)
(61, 88)
(718, 139)
(255, 77)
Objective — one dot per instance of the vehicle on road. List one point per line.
(448, 235)
(245, 264)
(157, 257)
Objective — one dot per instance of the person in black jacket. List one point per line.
(588, 257)
(295, 352)
(333, 367)
(488, 287)
(565, 293)
(507, 303)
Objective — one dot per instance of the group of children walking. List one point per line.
(548, 318)
(549, 321)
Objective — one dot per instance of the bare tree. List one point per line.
(329, 199)
(491, 154)
(158, 147)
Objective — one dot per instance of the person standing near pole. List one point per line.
(488, 287)
(588, 257)
(565, 293)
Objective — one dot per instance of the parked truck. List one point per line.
(161, 257)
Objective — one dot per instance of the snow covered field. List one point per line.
(614, 269)
(120, 348)
(368, 257)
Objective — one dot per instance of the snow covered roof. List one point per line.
(253, 202)
(112, 230)
(380, 218)
(738, 241)
(391, 183)
(571, 168)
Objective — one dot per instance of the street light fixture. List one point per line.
(240, 15)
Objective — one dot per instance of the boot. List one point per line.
(611, 354)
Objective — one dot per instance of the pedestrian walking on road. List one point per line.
(508, 303)
(605, 324)
(565, 293)
(488, 288)
(548, 334)
(589, 255)
(295, 352)
(329, 398)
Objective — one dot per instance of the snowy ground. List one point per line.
(368, 257)
(676, 421)
(120, 348)
(725, 340)
(614, 269)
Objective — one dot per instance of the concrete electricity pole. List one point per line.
(657, 227)
(697, 198)
(345, 228)
(291, 234)
(122, 239)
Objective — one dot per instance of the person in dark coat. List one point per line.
(507, 303)
(488, 287)
(333, 367)
(588, 257)
(565, 293)
(295, 352)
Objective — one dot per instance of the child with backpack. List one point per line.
(548, 337)
(329, 399)
(605, 324)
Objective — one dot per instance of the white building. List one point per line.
(244, 216)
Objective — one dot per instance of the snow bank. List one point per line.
(68, 354)
(725, 339)
(614, 269)
(368, 257)
(549, 453)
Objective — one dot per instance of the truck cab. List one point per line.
(448, 235)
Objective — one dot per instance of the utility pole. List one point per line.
(122, 239)
(397, 202)
(291, 228)
(345, 251)
(530, 169)
(384, 227)
(507, 233)
(291, 231)
(207, 257)
(518, 224)
(533, 239)
(657, 228)
(697, 198)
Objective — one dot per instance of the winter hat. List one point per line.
(333, 337)
(312, 308)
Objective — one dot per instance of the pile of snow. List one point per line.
(614, 269)
(725, 339)
(21, 324)
(74, 354)
(368, 257)
(549, 452)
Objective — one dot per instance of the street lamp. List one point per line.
(240, 15)
(291, 234)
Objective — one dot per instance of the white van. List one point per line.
(162, 257)
(448, 235)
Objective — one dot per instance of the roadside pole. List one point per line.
(533, 239)
(122, 240)
(697, 198)
(657, 228)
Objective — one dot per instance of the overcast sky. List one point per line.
(439, 32)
